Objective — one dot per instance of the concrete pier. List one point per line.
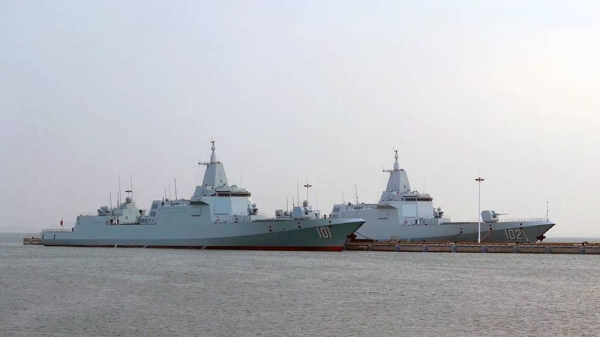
(32, 241)
(469, 247)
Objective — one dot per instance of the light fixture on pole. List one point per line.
(479, 180)
(307, 187)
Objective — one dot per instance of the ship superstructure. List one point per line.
(217, 216)
(407, 215)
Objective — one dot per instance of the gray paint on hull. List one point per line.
(280, 236)
(529, 233)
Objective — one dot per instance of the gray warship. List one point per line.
(406, 215)
(217, 216)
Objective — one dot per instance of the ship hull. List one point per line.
(386, 223)
(314, 234)
(504, 231)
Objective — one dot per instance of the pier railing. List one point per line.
(484, 247)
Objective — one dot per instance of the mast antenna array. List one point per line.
(396, 164)
(119, 194)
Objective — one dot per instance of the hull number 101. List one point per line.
(514, 234)
(324, 233)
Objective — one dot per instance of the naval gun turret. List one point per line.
(491, 216)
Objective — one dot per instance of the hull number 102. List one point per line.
(324, 233)
(514, 234)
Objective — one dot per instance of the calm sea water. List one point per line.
(162, 292)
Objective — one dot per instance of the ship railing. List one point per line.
(232, 218)
(427, 221)
(523, 220)
(239, 218)
(87, 214)
(499, 221)
(57, 230)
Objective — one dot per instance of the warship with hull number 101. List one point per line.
(217, 216)
(406, 215)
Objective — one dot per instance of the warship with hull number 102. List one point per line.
(217, 216)
(406, 215)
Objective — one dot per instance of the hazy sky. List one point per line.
(318, 90)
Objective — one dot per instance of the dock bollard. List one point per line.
(516, 249)
(369, 248)
(397, 248)
(454, 248)
(425, 248)
(548, 250)
(582, 250)
(484, 249)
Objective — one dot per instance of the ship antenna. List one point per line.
(131, 184)
(396, 164)
(547, 210)
(110, 199)
(213, 156)
(297, 192)
(287, 204)
(169, 188)
(175, 182)
(356, 194)
(119, 195)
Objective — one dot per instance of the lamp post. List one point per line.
(307, 187)
(479, 180)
